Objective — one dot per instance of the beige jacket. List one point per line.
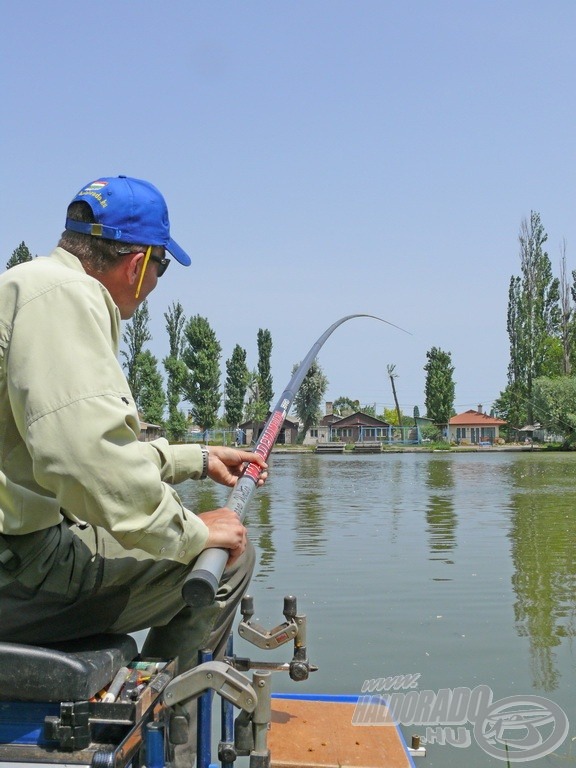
(68, 423)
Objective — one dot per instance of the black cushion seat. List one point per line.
(71, 671)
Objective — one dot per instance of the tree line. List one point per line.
(191, 371)
(541, 325)
(192, 375)
(541, 387)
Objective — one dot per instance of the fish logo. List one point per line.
(521, 728)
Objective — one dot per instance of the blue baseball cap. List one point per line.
(130, 211)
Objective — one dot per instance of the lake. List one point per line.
(457, 569)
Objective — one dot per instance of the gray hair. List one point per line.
(98, 253)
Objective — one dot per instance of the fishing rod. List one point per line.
(202, 582)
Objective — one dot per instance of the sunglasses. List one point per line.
(162, 264)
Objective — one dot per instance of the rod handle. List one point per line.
(201, 584)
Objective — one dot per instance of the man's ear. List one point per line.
(133, 266)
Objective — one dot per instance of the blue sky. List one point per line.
(319, 159)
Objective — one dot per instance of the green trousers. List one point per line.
(73, 581)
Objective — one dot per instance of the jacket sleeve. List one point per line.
(77, 417)
(175, 462)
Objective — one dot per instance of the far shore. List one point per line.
(427, 449)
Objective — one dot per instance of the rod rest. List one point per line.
(72, 671)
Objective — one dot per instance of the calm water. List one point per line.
(459, 567)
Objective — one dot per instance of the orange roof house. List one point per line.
(474, 428)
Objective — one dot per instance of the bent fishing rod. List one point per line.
(202, 582)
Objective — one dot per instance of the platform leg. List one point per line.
(204, 736)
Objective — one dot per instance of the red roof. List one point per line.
(475, 419)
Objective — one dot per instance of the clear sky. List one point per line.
(319, 158)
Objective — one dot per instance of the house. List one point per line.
(535, 433)
(149, 431)
(251, 431)
(474, 427)
(359, 427)
(321, 432)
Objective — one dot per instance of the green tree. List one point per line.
(176, 372)
(152, 399)
(502, 406)
(534, 319)
(554, 403)
(310, 397)
(345, 404)
(201, 354)
(177, 375)
(567, 325)
(19, 255)
(571, 330)
(135, 337)
(255, 409)
(264, 372)
(389, 415)
(235, 387)
(439, 387)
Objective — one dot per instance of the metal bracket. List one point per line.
(268, 639)
(216, 676)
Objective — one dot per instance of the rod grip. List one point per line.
(201, 584)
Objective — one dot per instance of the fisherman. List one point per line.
(93, 538)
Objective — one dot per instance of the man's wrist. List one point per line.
(205, 459)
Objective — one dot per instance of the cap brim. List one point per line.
(174, 249)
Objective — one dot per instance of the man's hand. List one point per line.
(225, 531)
(225, 465)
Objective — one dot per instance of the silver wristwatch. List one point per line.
(205, 454)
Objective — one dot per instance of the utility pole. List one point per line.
(392, 375)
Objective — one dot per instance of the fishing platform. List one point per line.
(96, 703)
(317, 731)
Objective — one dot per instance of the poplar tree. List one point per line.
(310, 397)
(255, 409)
(201, 354)
(264, 372)
(566, 315)
(151, 397)
(135, 337)
(176, 372)
(235, 387)
(20, 255)
(439, 387)
(534, 320)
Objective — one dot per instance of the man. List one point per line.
(93, 538)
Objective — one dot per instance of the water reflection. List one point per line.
(309, 507)
(486, 595)
(440, 514)
(397, 492)
(259, 523)
(200, 497)
(543, 535)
